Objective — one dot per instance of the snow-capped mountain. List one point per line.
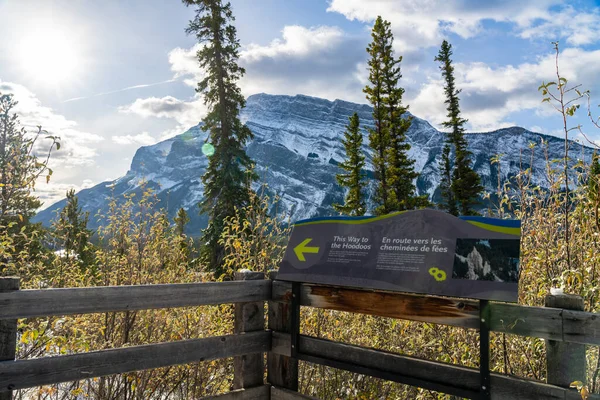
(297, 147)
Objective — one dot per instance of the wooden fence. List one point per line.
(567, 331)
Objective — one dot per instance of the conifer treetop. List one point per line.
(353, 166)
(225, 179)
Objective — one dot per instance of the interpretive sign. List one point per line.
(422, 251)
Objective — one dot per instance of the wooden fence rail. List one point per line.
(49, 370)
(541, 322)
(250, 339)
(21, 374)
(47, 302)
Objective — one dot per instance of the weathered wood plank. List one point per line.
(29, 373)
(565, 362)
(438, 310)
(278, 393)
(540, 322)
(255, 393)
(281, 290)
(510, 388)
(408, 370)
(280, 343)
(249, 369)
(581, 327)
(8, 330)
(389, 365)
(37, 303)
(282, 370)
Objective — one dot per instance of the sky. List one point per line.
(110, 76)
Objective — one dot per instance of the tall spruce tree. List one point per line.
(393, 169)
(465, 185)
(226, 177)
(71, 229)
(352, 179)
(379, 137)
(448, 201)
(401, 173)
(181, 220)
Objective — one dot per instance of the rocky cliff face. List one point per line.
(297, 147)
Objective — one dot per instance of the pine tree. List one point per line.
(352, 179)
(379, 137)
(394, 171)
(71, 229)
(225, 179)
(401, 172)
(465, 183)
(448, 201)
(181, 220)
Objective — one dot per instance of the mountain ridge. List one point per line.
(297, 147)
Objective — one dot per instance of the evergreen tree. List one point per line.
(379, 137)
(393, 169)
(71, 229)
(181, 220)
(225, 179)
(448, 201)
(352, 179)
(401, 172)
(466, 184)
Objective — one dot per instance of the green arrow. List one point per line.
(302, 248)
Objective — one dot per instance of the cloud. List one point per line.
(418, 23)
(577, 27)
(320, 61)
(77, 146)
(184, 62)
(296, 41)
(490, 95)
(145, 85)
(143, 139)
(53, 192)
(165, 107)
(186, 113)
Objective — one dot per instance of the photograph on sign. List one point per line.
(421, 251)
(487, 260)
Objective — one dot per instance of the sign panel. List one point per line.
(422, 251)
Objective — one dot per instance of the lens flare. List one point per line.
(208, 149)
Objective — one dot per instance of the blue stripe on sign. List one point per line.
(508, 223)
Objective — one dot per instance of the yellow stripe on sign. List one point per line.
(495, 228)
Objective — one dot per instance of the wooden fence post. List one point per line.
(8, 331)
(249, 369)
(565, 362)
(282, 371)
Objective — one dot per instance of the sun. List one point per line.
(49, 55)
